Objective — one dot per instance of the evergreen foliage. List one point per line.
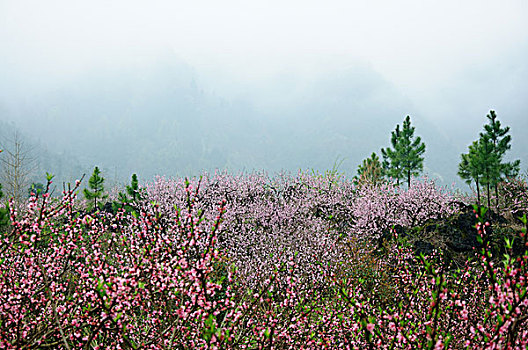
(405, 158)
(480, 164)
(96, 184)
(489, 163)
(501, 143)
(370, 172)
(484, 161)
(132, 195)
(468, 168)
(133, 189)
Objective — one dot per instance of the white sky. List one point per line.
(404, 40)
(451, 58)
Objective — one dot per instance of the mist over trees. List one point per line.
(17, 167)
(165, 119)
(25, 161)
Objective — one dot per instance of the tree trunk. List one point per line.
(408, 178)
(496, 198)
(488, 191)
(478, 191)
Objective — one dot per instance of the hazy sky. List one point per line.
(450, 58)
(404, 40)
(449, 61)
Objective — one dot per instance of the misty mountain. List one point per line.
(161, 119)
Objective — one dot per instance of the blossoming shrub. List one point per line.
(267, 220)
(112, 281)
(513, 197)
(302, 216)
(376, 209)
(172, 274)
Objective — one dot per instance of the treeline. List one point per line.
(484, 164)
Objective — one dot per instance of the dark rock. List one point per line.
(423, 247)
(400, 230)
(460, 235)
(455, 235)
(108, 208)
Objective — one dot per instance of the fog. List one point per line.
(176, 88)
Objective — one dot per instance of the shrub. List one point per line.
(172, 276)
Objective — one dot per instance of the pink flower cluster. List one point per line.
(513, 197)
(304, 216)
(249, 262)
(102, 281)
(376, 209)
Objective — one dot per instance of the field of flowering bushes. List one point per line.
(252, 262)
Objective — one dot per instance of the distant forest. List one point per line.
(161, 121)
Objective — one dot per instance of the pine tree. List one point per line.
(96, 184)
(489, 161)
(135, 193)
(133, 189)
(391, 162)
(370, 171)
(468, 168)
(481, 164)
(405, 158)
(500, 139)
